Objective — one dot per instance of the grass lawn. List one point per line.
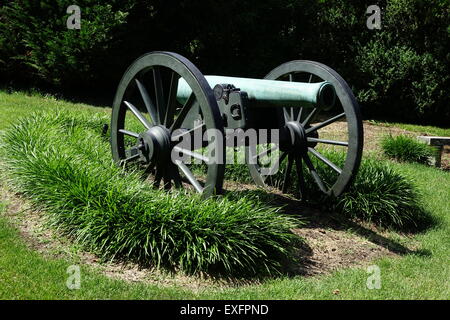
(17, 104)
(424, 273)
(429, 130)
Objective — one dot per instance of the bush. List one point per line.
(35, 39)
(61, 162)
(400, 72)
(383, 196)
(403, 69)
(407, 149)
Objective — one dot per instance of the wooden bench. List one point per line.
(438, 142)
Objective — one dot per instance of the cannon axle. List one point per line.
(154, 145)
(297, 142)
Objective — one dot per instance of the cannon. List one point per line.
(162, 98)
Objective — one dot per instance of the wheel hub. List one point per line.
(297, 137)
(154, 144)
(297, 140)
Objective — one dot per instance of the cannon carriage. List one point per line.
(172, 100)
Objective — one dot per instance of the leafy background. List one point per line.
(401, 72)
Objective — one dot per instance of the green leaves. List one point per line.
(61, 162)
(400, 71)
(384, 196)
(39, 38)
(379, 194)
(403, 69)
(404, 148)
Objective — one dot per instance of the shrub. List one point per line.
(403, 69)
(61, 162)
(404, 148)
(36, 39)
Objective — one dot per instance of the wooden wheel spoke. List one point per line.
(287, 174)
(299, 116)
(309, 117)
(187, 132)
(171, 101)
(158, 177)
(167, 179)
(184, 111)
(286, 115)
(313, 171)
(300, 176)
(148, 102)
(176, 176)
(138, 115)
(131, 158)
(189, 175)
(192, 154)
(159, 94)
(325, 123)
(333, 142)
(325, 160)
(129, 133)
(167, 174)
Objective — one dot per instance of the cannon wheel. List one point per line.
(148, 92)
(300, 120)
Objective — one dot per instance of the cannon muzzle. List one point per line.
(272, 93)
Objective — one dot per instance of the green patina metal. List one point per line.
(272, 93)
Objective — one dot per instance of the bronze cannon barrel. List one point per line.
(270, 93)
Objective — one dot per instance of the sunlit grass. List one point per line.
(430, 130)
(61, 162)
(404, 148)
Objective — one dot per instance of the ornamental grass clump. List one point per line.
(378, 194)
(63, 164)
(404, 148)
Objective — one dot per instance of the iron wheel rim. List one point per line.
(352, 114)
(202, 95)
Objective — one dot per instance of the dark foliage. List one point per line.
(399, 72)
